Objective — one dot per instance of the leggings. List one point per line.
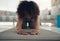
(30, 21)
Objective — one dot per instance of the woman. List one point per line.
(27, 10)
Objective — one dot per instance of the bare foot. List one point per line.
(22, 32)
(34, 32)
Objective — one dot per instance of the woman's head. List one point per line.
(27, 8)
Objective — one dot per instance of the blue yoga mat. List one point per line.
(58, 21)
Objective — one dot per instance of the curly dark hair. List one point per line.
(27, 8)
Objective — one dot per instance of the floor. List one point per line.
(43, 35)
(8, 25)
(8, 33)
(5, 26)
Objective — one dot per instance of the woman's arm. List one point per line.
(37, 22)
(19, 23)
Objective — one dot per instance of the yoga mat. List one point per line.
(43, 34)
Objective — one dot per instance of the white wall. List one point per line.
(9, 5)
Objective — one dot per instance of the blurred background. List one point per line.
(49, 10)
